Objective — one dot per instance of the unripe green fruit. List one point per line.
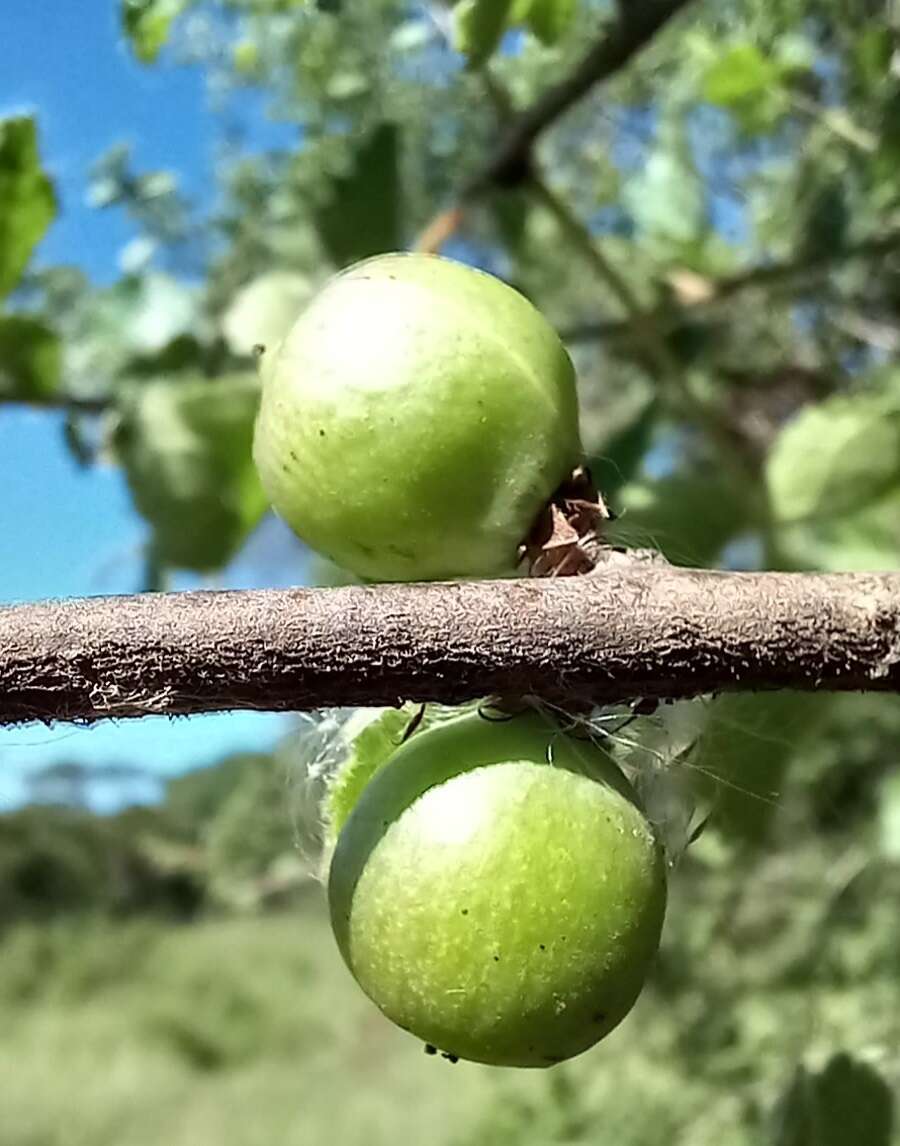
(497, 892)
(415, 421)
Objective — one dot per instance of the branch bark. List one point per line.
(635, 27)
(626, 632)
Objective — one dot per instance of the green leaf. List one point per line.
(186, 449)
(824, 212)
(620, 457)
(368, 739)
(147, 24)
(690, 517)
(740, 74)
(871, 56)
(547, 19)
(835, 457)
(27, 200)
(29, 359)
(478, 27)
(744, 754)
(847, 1101)
(364, 213)
(862, 541)
(263, 311)
(749, 85)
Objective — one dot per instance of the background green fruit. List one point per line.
(497, 891)
(416, 419)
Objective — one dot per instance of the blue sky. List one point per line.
(67, 531)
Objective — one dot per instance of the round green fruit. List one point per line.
(416, 420)
(497, 891)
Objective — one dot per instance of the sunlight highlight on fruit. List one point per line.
(499, 907)
(416, 420)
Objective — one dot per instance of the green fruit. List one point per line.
(497, 891)
(415, 421)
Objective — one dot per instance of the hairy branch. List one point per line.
(629, 631)
(634, 28)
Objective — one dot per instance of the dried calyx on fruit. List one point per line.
(417, 421)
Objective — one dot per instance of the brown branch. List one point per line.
(634, 28)
(629, 631)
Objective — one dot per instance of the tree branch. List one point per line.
(712, 292)
(629, 631)
(634, 28)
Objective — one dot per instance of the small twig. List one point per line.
(724, 289)
(636, 25)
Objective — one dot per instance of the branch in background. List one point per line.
(705, 293)
(634, 28)
(60, 401)
(622, 633)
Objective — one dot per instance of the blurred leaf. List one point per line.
(688, 516)
(142, 324)
(479, 26)
(186, 448)
(824, 210)
(744, 754)
(147, 24)
(29, 359)
(847, 1101)
(363, 216)
(264, 310)
(866, 540)
(251, 830)
(547, 19)
(871, 56)
(27, 201)
(667, 199)
(621, 456)
(510, 211)
(889, 816)
(835, 457)
(183, 353)
(749, 85)
(740, 74)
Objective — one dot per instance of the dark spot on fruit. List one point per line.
(450, 1056)
(294, 457)
(496, 958)
(321, 433)
(405, 553)
(553, 1058)
(598, 1017)
(542, 946)
(429, 1049)
(465, 911)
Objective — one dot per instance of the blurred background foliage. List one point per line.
(715, 230)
